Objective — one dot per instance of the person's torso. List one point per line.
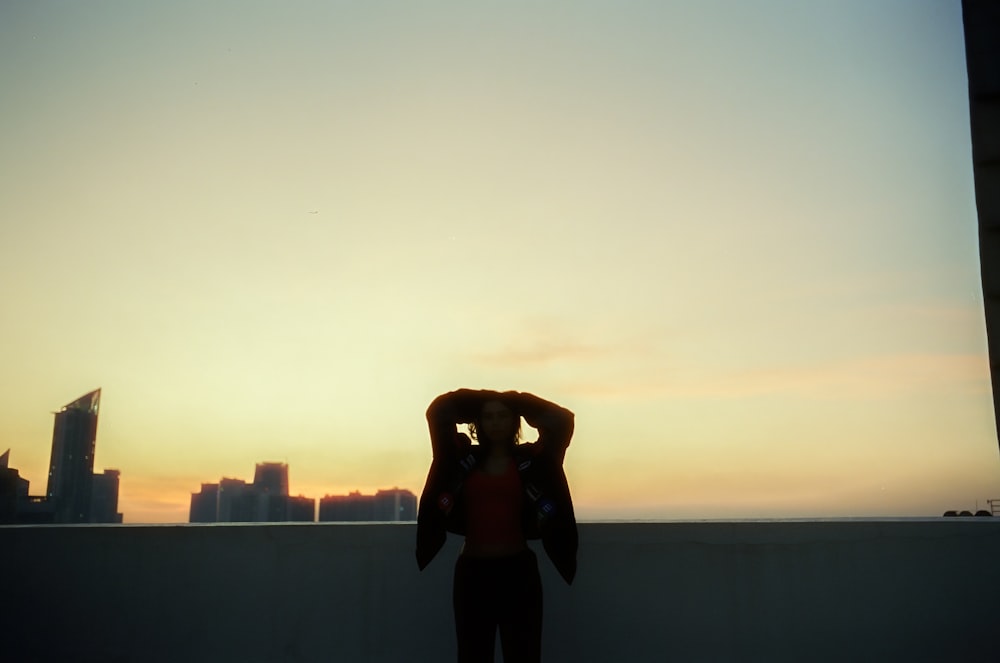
(494, 504)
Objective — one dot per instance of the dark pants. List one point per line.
(504, 593)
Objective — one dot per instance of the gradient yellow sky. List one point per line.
(737, 239)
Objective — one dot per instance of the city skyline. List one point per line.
(738, 241)
(269, 477)
(269, 499)
(74, 493)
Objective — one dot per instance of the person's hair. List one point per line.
(474, 425)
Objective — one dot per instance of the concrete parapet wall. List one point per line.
(869, 590)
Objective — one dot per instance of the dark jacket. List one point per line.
(548, 508)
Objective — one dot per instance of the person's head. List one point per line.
(496, 424)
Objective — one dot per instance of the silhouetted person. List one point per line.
(498, 494)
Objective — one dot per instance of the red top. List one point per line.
(493, 508)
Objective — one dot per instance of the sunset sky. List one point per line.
(737, 239)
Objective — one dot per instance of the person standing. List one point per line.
(498, 493)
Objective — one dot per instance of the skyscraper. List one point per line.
(13, 490)
(237, 501)
(72, 464)
(205, 505)
(104, 498)
(353, 507)
(393, 505)
(271, 478)
(301, 509)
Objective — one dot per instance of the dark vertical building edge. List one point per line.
(981, 22)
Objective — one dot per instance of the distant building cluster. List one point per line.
(266, 500)
(74, 493)
(392, 505)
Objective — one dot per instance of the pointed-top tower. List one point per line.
(71, 467)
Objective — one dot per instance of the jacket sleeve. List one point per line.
(443, 414)
(553, 423)
(446, 411)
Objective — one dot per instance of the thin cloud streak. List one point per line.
(540, 353)
(865, 379)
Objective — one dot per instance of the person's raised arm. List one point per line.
(553, 422)
(448, 410)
